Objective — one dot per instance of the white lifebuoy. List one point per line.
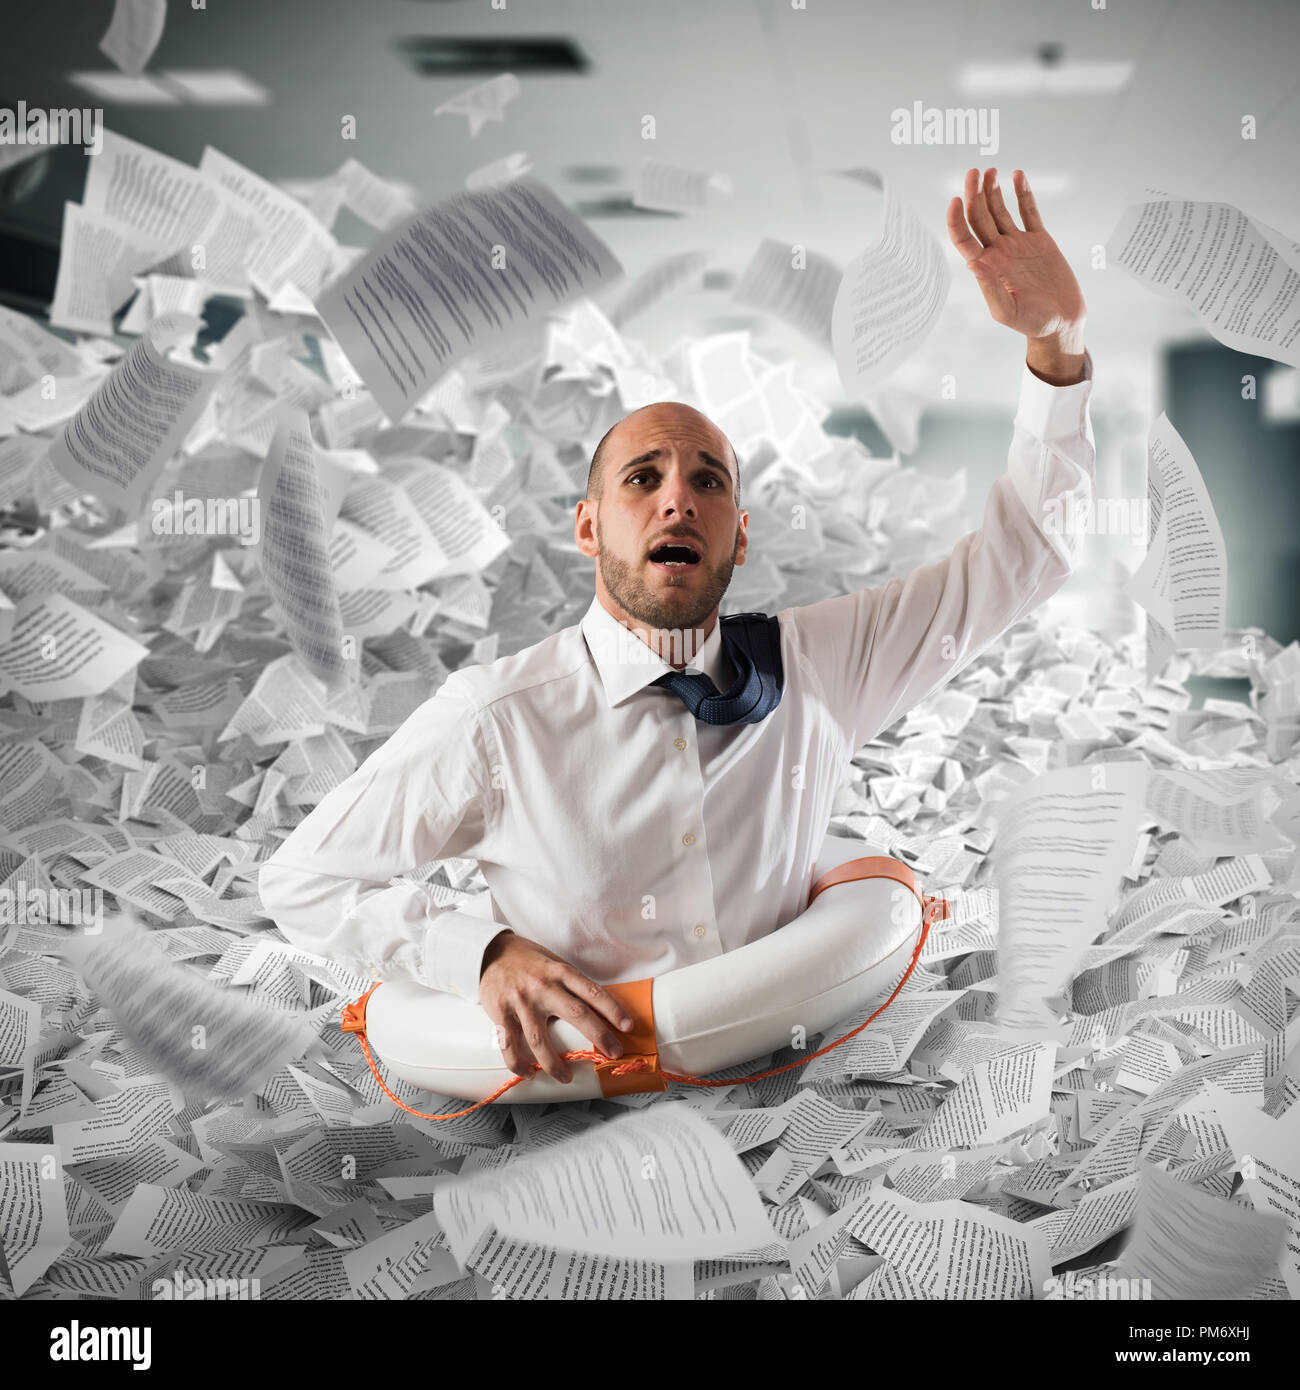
(846, 949)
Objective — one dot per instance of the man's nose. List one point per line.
(677, 498)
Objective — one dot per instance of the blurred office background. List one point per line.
(1097, 104)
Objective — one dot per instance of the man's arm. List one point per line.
(881, 651)
(421, 796)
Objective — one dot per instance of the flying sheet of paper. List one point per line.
(133, 33)
(27, 352)
(375, 201)
(665, 277)
(294, 555)
(124, 436)
(455, 278)
(502, 170)
(889, 297)
(180, 211)
(98, 258)
(485, 102)
(1219, 817)
(662, 1183)
(1240, 277)
(665, 187)
(1268, 1151)
(1182, 580)
(465, 532)
(1062, 844)
(800, 291)
(163, 294)
(1192, 1245)
(294, 248)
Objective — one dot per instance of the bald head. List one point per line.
(658, 413)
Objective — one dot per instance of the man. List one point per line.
(630, 817)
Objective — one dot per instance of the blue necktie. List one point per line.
(753, 643)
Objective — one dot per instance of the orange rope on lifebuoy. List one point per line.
(354, 1021)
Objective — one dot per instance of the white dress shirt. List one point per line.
(610, 825)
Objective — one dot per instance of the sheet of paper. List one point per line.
(953, 1249)
(294, 248)
(1223, 818)
(294, 554)
(176, 209)
(814, 1126)
(1268, 1153)
(58, 650)
(1191, 1245)
(664, 1178)
(502, 170)
(98, 256)
(1239, 277)
(666, 187)
(159, 1219)
(455, 278)
(133, 33)
(463, 529)
(890, 295)
(20, 1027)
(1062, 844)
(994, 1099)
(33, 1211)
(1182, 580)
(138, 1112)
(374, 200)
(482, 103)
(658, 281)
(125, 435)
(800, 291)
(28, 351)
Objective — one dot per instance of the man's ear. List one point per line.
(584, 525)
(742, 545)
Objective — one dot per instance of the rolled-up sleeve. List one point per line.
(333, 886)
(879, 652)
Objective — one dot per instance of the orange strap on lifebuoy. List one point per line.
(641, 1045)
(638, 1069)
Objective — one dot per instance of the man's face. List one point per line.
(683, 496)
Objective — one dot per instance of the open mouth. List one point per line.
(674, 556)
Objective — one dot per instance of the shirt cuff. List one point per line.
(453, 951)
(1054, 412)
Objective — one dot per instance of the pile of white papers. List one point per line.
(1099, 1045)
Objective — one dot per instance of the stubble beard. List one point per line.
(631, 592)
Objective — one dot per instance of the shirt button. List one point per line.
(679, 743)
(699, 930)
(688, 838)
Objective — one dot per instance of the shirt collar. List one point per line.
(626, 664)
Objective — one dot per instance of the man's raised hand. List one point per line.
(1026, 281)
(523, 986)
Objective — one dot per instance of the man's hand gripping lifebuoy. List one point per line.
(523, 986)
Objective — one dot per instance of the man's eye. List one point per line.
(711, 478)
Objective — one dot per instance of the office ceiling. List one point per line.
(772, 96)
